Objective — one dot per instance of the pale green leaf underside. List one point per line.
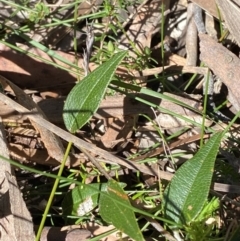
(115, 208)
(82, 199)
(84, 99)
(187, 192)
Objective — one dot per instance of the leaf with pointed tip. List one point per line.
(85, 97)
(187, 192)
(115, 208)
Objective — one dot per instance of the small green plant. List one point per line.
(82, 102)
(185, 205)
(39, 12)
(202, 228)
(186, 195)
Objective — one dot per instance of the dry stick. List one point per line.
(177, 68)
(134, 14)
(191, 37)
(78, 142)
(230, 10)
(109, 158)
(174, 144)
(52, 142)
(96, 163)
(14, 213)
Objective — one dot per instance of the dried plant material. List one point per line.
(227, 68)
(77, 142)
(167, 121)
(58, 33)
(208, 6)
(175, 144)
(64, 234)
(31, 156)
(119, 130)
(172, 69)
(109, 158)
(231, 12)
(34, 73)
(191, 37)
(146, 139)
(97, 229)
(111, 106)
(145, 24)
(15, 220)
(52, 142)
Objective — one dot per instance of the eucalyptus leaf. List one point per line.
(187, 192)
(84, 99)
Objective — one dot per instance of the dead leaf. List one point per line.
(209, 6)
(119, 130)
(227, 66)
(52, 142)
(231, 12)
(15, 220)
(144, 25)
(34, 74)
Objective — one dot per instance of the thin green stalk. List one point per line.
(18, 6)
(162, 45)
(76, 6)
(40, 58)
(103, 235)
(14, 163)
(48, 51)
(192, 78)
(231, 123)
(221, 28)
(204, 108)
(66, 21)
(49, 203)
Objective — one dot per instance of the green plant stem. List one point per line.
(204, 108)
(192, 78)
(49, 203)
(32, 55)
(76, 6)
(220, 21)
(231, 122)
(17, 164)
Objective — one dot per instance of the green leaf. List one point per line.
(115, 208)
(83, 198)
(85, 97)
(187, 192)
